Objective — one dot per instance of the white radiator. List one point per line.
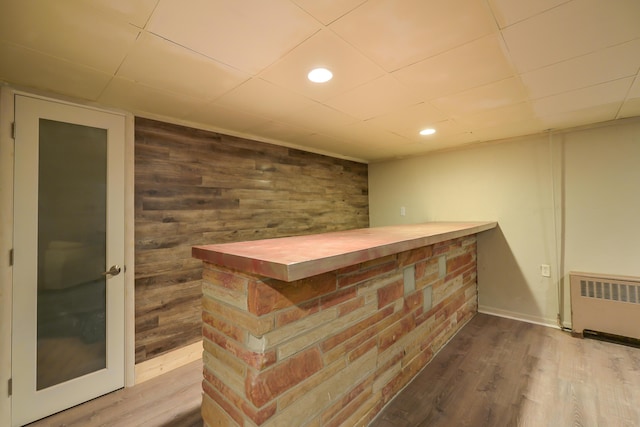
(607, 304)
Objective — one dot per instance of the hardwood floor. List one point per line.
(170, 400)
(495, 372)
(500, 372)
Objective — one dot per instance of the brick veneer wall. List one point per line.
(331, 349)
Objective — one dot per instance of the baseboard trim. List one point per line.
(518, 316)
(167, 362)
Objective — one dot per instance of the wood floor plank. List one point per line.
(494, 372)
(501, 372)
(172, 399)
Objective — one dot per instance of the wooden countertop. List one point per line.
(298, 257)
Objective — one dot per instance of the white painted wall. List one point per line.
(517, 183)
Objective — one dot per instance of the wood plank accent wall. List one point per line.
(196, 187)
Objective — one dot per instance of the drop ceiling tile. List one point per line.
(509, 130)
(473, 64)
(630, 108)
(446, 142)
(222, 118)
(411, 120)
(30, 68)
(245, 34)
(375, 98)
(364, 134)
(508, 12)
(327, 11)
(584, 116)
(514, 113)
(319, 117)
(571, 29)
(445, 130)
(494, 95)
(584, 71)
(576, 100)
(161, 64)
(278, 131)
(134, 12)
(261, 98)
(635, 88)
(398, 33)
(350, 68)
(334, 146)
(145, 101)
(70, 30)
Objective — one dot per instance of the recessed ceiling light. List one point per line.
(428, 131)
(320, 75)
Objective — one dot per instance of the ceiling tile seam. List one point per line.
(330, 107)
(587, 87)
(208, 99)
(426, 58)
(73, 64)
(261, 73)
(591, 52)
(357, 49)
(505, 47)
(60, 58)
(173, 42)
(124, 58)
(386, 74)
(480, 86)
(626, 96)
(334, 20)
(153, 11)
(579, 56)
(199, 101)
(534, 15)
(487, 4)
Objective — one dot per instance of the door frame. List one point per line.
(7, 99)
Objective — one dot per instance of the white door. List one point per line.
(68, 289)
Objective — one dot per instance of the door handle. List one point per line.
(113, 271)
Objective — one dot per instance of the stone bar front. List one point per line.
(324, 330)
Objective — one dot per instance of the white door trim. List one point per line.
(7, 94)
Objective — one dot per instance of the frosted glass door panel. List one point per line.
(72, 180)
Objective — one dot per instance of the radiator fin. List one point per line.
(621, 292)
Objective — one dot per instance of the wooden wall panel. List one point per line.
(197, 187)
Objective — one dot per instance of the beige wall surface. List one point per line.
(591, 176)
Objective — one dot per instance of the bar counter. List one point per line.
(325, 329)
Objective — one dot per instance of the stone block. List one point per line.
(256, 325)
(214, 415)
(263, 387)
(362, 275)
(258, 360)
(268, 295)
(228, 329)
(229, 296)
(336, 298)
(224, 278)
(297, 312)
(341, 403)
(290, 396)
(415, 255)
(350, 306)
(395, 332)
(318, 334)
(258, 416)
(390, 293)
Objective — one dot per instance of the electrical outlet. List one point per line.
(403, 211)
(545, 270)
